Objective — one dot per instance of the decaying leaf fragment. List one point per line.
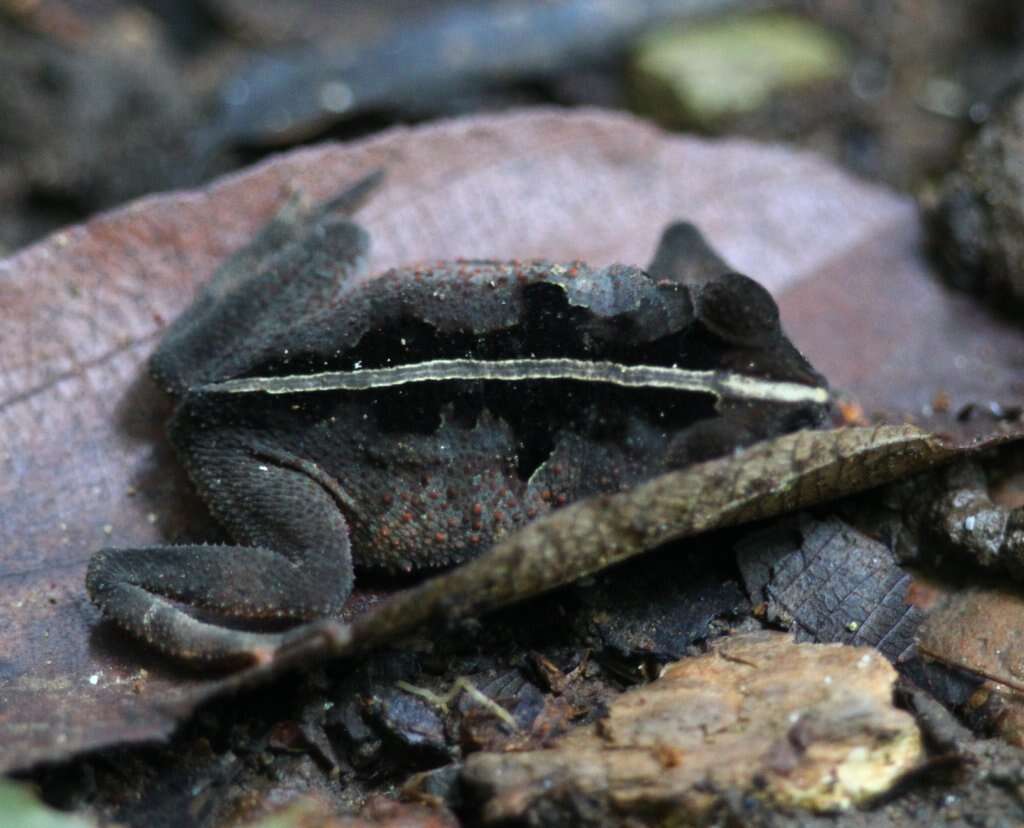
(802, 725)
(980, 630)
(831, 582)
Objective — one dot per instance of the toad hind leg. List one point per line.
(292, 270)
(294, 561)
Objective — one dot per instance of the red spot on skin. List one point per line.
(385, 531)
(474, 539)
(478, 509)
(499, 516)
(406, 517)
(440, 537)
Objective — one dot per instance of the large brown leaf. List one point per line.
(83, 461)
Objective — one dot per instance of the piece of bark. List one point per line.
(801, 725)
(83, 461)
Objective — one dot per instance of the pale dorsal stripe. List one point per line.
(717, 383)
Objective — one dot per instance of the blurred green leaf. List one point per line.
(19, 808)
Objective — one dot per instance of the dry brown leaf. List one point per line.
(83, 461)
(979, 630)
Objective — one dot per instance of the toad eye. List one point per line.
(738, 310)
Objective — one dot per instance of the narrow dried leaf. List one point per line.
(768, 479)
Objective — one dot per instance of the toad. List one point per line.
(407, 422)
